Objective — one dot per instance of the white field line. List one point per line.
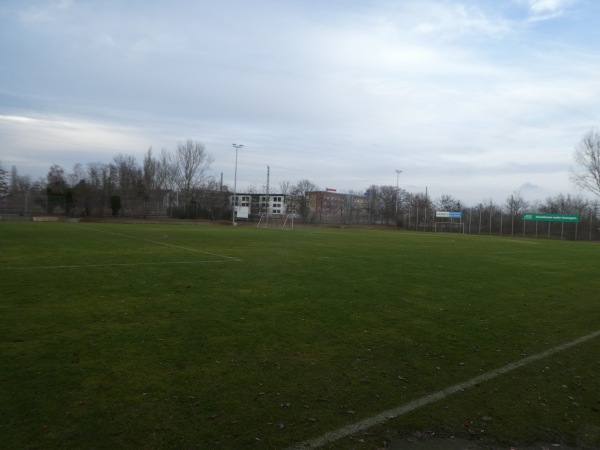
(342, 257)
(516, 252)
(80, 266)
(167, 245)
(423, 401)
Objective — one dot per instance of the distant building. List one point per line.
(253, 206)
(328, 206)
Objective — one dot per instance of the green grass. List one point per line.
(162, 336)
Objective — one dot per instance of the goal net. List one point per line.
(449, 227)
(276, 221)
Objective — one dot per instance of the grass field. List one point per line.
(193, 337)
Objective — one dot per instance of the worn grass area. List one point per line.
(155, 336)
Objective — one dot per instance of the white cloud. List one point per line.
(549, 6)
(43, 141)
(449, 21)
(541, 10)
(453, 93)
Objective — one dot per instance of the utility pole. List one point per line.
(237, 147)
(398, 172)
(268, 199)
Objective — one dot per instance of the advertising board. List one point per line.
(452, 214)
(546, 217)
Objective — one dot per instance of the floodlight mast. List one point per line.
(398, 172)
(237, 147)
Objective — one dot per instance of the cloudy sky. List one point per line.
(475, 98)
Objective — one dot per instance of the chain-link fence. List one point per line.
(494, 222)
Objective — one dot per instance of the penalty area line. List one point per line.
(167, 245)
(383, 417)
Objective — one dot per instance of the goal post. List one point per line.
(449, 227)
(276, 221)
(447, 224)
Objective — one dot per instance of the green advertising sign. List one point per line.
(543, 217)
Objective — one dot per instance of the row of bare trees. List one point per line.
(386, 205)
(171, 181)
(390, 205)
(177, 183)
(506, 219)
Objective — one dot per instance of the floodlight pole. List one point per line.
(237, 147)
(398, 172)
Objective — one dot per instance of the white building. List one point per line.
(253, 206)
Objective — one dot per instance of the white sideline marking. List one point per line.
(341, 257)
(168, 245)
(80, 266)
(516, 252)
(423, 401)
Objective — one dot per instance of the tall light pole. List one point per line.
(398, 172)
(237, 147)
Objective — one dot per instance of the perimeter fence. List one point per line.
(478, 220)
(485, 222)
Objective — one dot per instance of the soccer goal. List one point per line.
(276, 221)
(449, 227)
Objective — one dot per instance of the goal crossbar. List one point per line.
(449, 227)
(276, 221)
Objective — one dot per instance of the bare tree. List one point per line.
(126, 177)
(492, 210)
(165, 177)
(98, 178)
(77, 175)
(587, 157)
(212, 199)
(3, 182)
(300, 202)
(383, 201)
(150, 170)
(285, 188)
(422, 206)
(565, 205)
(18, 192)
(57, 190)
(190, 164)
(56, 177)
(79, 192)
(448, 203)
(515, 204)
(153, 183)
(386, 199)
(371, 193)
